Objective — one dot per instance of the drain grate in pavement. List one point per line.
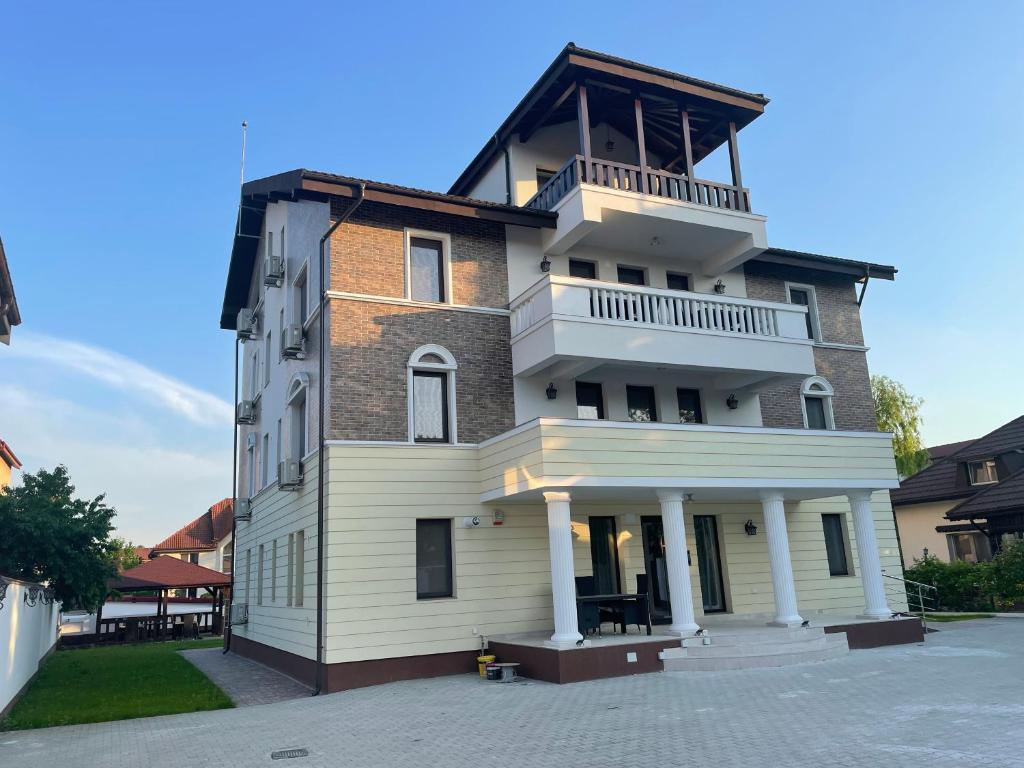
(284, 754)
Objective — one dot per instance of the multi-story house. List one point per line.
(965, 504)
(583, 360)
(205, 541)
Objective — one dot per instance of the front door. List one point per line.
(654, 565)
(709, 562)
(604, 554)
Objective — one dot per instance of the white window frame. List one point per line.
(449, 366)
(818, 387)
(260, 555)
(268, 346)
(446, 262)
(265, 461)
(250, 453)
(812, 306)
(970, 473)
(298, 386)
(303, 275)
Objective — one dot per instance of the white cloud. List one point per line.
(125, 374)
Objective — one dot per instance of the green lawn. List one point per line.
(93, 685)
(940, 617)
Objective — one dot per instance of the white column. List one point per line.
(778, 554)
(875, 604)
(563, 584)
(676, 562)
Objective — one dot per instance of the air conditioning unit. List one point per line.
(239, 614)
(273, 270)
(246, 325)
(289, 474)
(291, 341)
(242, 509)
(245, 412)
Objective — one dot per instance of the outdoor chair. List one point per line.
(589, 617)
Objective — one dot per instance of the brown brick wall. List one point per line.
(845, 369)
(368, 254)
(836, 295)
(370, 349)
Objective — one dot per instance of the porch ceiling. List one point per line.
(648, 495)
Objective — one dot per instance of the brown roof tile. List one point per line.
(203, 533)
(168, 572)
(1005, 496)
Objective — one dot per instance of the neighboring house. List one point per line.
(967, 501)
(10, 316)
(8, 462)
(565, 366)
(205, 541)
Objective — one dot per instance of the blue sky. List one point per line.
(893, 135)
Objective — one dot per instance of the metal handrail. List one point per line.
(922, 595)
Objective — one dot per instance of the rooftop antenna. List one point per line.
(241, 183)
(241, 179)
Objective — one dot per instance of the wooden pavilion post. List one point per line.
(641, 144)
(691, 187)
(161, 621)
(734, 162)
(583, 118)
(99, 619)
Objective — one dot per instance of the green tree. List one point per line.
(124, 554)
(52, 537)
(899, 412)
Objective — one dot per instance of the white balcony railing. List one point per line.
(675, 310)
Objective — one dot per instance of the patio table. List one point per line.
(618, 601)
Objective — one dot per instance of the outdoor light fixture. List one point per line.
(610, 142)
(551, 391)
(732, 402)
(719, 286)
(750, 528)
(545, 264)
(655, 241)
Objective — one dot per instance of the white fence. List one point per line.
(29, 623)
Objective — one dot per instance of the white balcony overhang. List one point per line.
(717, 239)
(565, 321)
(604, 460)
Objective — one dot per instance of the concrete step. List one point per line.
(758, 649)
(754, 636)
(832, 649)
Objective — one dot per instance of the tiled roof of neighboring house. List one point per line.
(203, 533)
(937, 452)
(939, 481)
(8, 457)
(10, 315)
(143, 553)
(168, 572)
(1005, 496)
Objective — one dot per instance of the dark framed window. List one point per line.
(689, 406)
(835, 545)
(544, 176)
(802, 296)
(632, 276)
(584, 269)
(983, 472)
(589, 400)
(640, 404)
(426, 269)
(433, 559)
(677, 282)
(815, 407)
(430, 406)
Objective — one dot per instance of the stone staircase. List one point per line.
(751, 648)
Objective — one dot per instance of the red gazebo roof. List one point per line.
(168, 572)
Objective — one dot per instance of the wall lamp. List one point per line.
(551, 391)
(719, 286)
(732, 402)
(545, 264)
(750, 528)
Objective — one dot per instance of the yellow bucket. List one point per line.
(482, 662)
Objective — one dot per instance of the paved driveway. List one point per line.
(958, 700)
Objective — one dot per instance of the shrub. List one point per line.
(1006, 576)
(961, 586)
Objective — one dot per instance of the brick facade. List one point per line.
(368, 254)
(371, 341)
(845, 369)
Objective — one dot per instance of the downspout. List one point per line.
(226, 625)
(321, 443)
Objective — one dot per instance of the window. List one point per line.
(804, 296)
(290, 570)
(265, 458)
(433, 559)
(280, 336)
(300, 567)
(254, 365)
(250, 467)
(544, 176)
(632, 275)
(816, 399)
(983, 472)
(277, 451)
(259, 576)
(969, 547)
(835, 545)
(273, 572)
(589, 401)
(300, 296)
(248, 573)
(640, 404)
(266, 360)
(677, 282)
(431, 388)
(426, 269)
(227, 558)
(297, 417)
(689, 406)
(584, 269)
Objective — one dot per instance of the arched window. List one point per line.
(816, 401)
(298, 417)
(431, 387)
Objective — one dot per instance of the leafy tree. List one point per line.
(1007, 577)
(124, 554)
(899, 412)
(52, 537)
